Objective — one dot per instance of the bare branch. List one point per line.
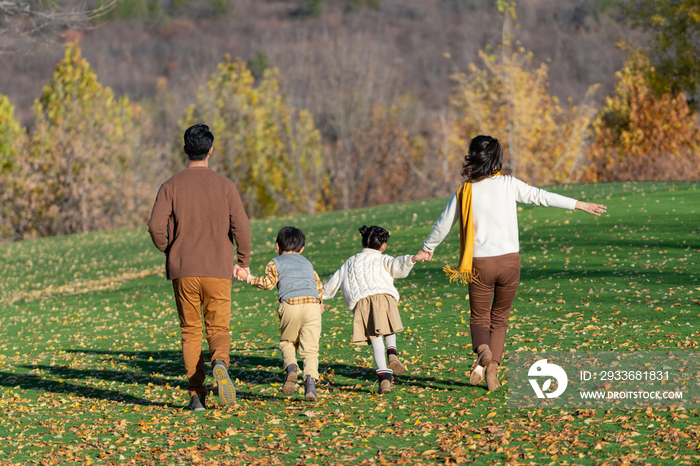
(31, 16)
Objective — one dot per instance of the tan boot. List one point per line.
(492, 376)
(395, 365)
(384, 383)
(483, 359)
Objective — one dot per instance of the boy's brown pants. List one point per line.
(211, 297)
(490, 300)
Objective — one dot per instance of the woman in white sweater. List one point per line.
(367, 282)
(485, 207)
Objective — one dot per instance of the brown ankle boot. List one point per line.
(385, 379)
(395, 365)
(483, 359)
(492, 376)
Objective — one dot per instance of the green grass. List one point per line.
(91, 371)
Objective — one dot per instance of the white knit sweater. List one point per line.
(365, 274)
(495, 214)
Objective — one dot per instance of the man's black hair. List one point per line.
(290, 239)
(198, 141)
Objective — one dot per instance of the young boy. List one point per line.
(300, 293)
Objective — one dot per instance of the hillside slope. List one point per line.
(90, 364)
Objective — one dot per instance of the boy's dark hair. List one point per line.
(290, 239)
(485, 158)
(198, 141)
(373, 237)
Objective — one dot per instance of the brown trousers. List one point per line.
(491, 297)
(211, 297)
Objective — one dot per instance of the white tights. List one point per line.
(378, 351)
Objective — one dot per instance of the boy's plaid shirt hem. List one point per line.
(271, 277)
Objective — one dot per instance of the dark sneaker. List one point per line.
(385, 379)
(395, 365)
(290, 380)
(227, 391)
(197, 403)
(310, 389)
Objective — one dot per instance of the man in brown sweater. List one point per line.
(197, 216)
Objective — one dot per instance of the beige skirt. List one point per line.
(375, 315)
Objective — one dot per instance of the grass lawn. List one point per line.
(91, 370)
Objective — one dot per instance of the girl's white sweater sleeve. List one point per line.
(443, 225)
(332, 285)
(398, 267)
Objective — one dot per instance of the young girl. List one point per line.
(367, 282)
(484, 205)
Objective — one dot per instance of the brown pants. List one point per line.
(300, 328)
(211, 297)
(490, 300)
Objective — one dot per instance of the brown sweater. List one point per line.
(196, 217)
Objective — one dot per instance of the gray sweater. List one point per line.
(296, 277)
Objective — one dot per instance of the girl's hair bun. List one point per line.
(373, 237)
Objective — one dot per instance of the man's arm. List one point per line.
(240, 227)
(158, 224)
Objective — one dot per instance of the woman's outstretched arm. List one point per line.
(442, 227)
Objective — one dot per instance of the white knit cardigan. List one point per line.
(365, 274)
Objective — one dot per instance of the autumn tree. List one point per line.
(12, 139)
(269, 149)
(642, 136)
(674, 26)
(509, 99)
(10, 135)
(380, 161)
(80, 170)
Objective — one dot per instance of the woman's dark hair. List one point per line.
(373, 237)
(198, 141)
(485, 158)
(290, 239)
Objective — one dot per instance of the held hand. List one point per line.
(243, 274)
(590, 208)
(323, 308)
(422, 256)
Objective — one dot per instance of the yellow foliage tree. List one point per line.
(639, 136)
(505, 99)
(10, 135)
(12, 139)
(79, 172)
(271, 151)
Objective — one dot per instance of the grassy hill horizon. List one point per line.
(91, 370)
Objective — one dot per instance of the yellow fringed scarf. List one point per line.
(464, 273)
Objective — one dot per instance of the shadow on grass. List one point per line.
(157, 368)
(33, 382)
